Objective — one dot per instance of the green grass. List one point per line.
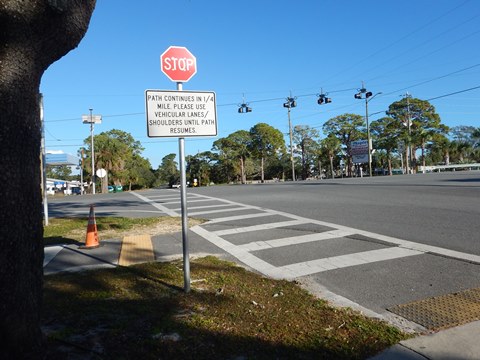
(73, 230)
(142, 312)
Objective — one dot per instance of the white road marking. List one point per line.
(242, 255)
(189, 200)
(237, 217)
(154, 204)
(294, 240)
(259, 227)
(204, 207)
(218, 211)
(400, 244)
(342, 261)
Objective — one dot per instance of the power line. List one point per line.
(399, 40)
(454, 93)
(436, 78)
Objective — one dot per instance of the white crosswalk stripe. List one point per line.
(395, 248)
(294, 240)
(342, 261)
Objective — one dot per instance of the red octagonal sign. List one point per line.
(178, 64)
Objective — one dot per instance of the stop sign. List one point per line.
(178, 63)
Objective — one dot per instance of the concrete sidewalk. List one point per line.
(458, 343)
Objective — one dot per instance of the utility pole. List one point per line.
(93, 152)
(92, 119)
(409, 159)
(368, 96)
(289, 104)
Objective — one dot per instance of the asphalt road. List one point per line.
(439, 210)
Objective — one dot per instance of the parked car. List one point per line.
(118, 188)
(110, 189)
(76, 191)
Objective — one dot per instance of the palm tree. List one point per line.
(331, 146)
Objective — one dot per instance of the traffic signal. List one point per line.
(322, 98)
(358, 96)
(368, 94)
(243, 108)
(290, 103)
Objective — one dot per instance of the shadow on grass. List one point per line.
(60, 240)
(142, 312)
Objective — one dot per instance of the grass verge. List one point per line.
(142, 312)
(74, 230)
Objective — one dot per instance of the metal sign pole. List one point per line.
(183, 200)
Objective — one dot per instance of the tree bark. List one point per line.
(331, 167)
(262, 171)
(242, 171)
(33, 34)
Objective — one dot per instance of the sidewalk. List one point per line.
(457, 343)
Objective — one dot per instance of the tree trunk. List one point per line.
(33, 34)
(304, 164)
(423, 156)
(331, 166)
(242, 171)
(389, 163)
(262, 171)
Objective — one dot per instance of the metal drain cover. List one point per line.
(442, 311)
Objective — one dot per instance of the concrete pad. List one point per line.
(398, 352)
(461, 342)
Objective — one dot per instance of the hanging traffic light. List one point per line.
(322, 98)
(290, 103)
(244, 108)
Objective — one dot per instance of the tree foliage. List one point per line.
(347, 128)
(306, 139)
(421, 121)
(118, 153)
(385, 133)
(267, 142)
(168, 172)
(235, 146)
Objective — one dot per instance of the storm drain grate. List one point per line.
(442, 311)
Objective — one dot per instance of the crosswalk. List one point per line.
(286, 246)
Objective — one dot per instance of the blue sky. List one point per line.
(263, 51)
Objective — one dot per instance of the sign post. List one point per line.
(181, 114)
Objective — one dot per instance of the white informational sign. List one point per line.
(181, 113)
(92, 119)
(360, 151)
(101, 173)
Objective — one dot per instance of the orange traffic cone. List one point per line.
(91, 241)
